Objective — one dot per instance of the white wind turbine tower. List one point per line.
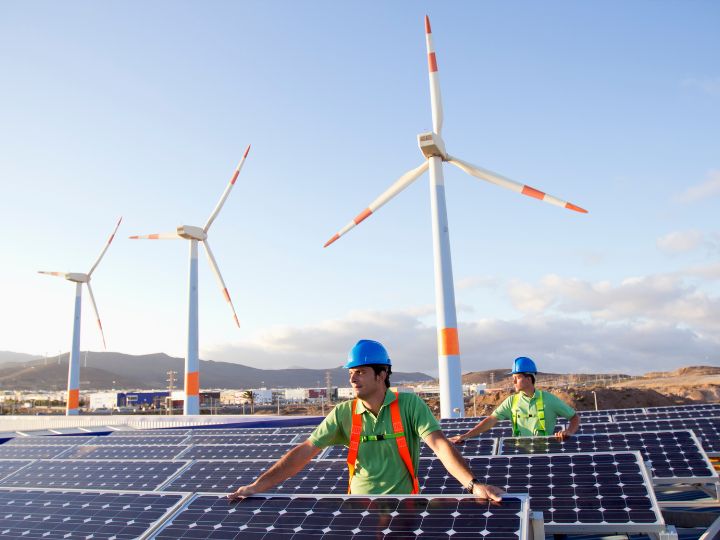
(195, 235)
(433, 148)
(73, 397)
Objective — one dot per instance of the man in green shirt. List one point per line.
(533, 412)
(383, 434)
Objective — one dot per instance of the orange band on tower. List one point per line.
(73, 401)
(192, 383)
(532, 192)
(449, 345)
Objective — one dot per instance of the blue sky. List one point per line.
(143, 110)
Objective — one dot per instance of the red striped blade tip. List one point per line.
(331, 240)
(247, 151)
(427, 25)
(571, 206)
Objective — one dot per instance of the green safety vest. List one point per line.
(540, 414)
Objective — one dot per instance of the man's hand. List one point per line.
(562, 435)
(242, 492)
(456, 439)
(486, 491)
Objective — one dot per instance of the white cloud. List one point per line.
(680, 241)
(709, 188)
(708, 85)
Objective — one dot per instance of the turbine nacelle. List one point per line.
(190, 232)
(77, 278)
(432, 145)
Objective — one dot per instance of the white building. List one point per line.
(103, 400)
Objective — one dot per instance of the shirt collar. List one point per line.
(389, 398)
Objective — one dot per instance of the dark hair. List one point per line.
(531, 376)
(378, 368)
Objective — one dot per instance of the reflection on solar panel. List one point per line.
(9, 466)
(31, 452)
(233, 431)
(673, 456)
(148, 432)
(241, 438)
(124, 452)
(138, 441)
(601, 492)
(62, 440)
(68, 514)
(88, 474)
(667, 415)
(303, 517)
(245, 451)
(706, 429)
(324, 476)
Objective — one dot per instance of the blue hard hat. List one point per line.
(366, 352)
(523, 365)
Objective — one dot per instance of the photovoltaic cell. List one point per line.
(235, 451)
(241, 438)
(124, 452)
(31, 452)
(60, 440)
(595, 492)
(88, 474)
(320, 476)
(673, 456)
(74, 514)
(357, 517)
(9, 466)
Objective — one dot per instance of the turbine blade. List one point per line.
(435, 97)
(225, 194)
(404, 181)
(501, 181)
(58, 274)
(157, 236)
(223, 288)
(97, 315)
(107, 245)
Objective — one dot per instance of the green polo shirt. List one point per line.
(379, 469)
(527, 409)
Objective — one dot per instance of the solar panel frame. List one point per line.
(69, 516)
(44, 440)
(688, 407)
(667, 415)
(126, 452)
(242, 438)
(201, 506)
(235, 451)
(233, 431)
(148, 432)
(148, 440)
(659, 457)
(87, 471)
(33, 451)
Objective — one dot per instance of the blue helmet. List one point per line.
(367, 352)
(523, 365)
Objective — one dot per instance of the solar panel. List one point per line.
(667, 415)
(471, 447)
(81, 514)
(232, 431)
(241, 438)
(60, 440)
(706, 429)
(31, 452)
(304, 430)
(9, 466)
(235, 451)
(689, 407)
(606, 412)
(139, 441)
(362, 518)
(148, 432)
(495, 432)
(124, 452)
(673, 456)
(590, 492)
(319, 476)
(595, 419)
(90, 474)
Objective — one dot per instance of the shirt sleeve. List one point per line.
(561, 408)
(504, 410)
(331, 430)
(425, 422)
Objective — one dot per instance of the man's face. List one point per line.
(522, 383)
(364, 381)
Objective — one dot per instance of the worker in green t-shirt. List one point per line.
(533, 412)
(382, 429)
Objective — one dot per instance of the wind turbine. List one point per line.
(195, 235)
(433, 149)
(73, 397)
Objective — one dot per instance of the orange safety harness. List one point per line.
(398, 434)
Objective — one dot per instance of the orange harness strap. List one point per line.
(398, 435)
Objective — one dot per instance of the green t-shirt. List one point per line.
(379, 469)
(527, 409)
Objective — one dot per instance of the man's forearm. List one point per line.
(482, 427)
(288, 465)
(453, 461)
(574, 424)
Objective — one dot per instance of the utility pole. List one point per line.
(328, 387)
(172, 376)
